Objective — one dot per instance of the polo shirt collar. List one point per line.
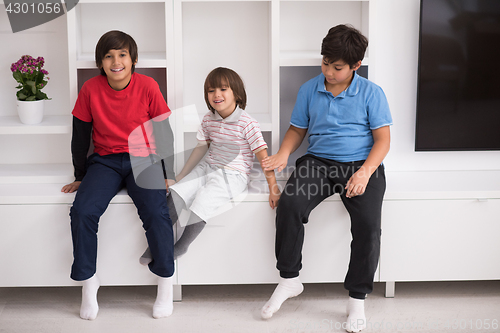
(352, 90)
(232, 118)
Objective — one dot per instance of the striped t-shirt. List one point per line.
(233, 140)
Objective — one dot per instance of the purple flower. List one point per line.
(27, 69)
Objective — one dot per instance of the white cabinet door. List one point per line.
(326, 252)
(35, 245)
(241, 249)
(424, 240)
(37, 249)
(237, 248)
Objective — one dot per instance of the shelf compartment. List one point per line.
(246, 51)
(49, 125)
(304, 24)
(140, 20)
(158, 74)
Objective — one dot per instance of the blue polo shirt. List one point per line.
(340, 127)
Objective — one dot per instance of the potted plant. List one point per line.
(31, 76)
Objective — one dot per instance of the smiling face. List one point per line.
(222, 100)
(117, 64)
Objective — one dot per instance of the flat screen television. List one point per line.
(458, 97)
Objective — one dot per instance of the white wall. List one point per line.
(48, 40)
(393, 65)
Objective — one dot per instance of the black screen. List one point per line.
(458, 100)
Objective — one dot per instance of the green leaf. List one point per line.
(41, 95)
(18, 77)
(31, 98)
(21, 96)
(39, 78)
(33, 87)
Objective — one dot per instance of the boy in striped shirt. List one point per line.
(231, 137)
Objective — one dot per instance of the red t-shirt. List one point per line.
(121, 120)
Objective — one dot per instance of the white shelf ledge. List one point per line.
(35, 194)
(192, 121)
(443, 185)
(146, 60)
(418, 185)
(49, 125)
(304, 58)
(36, 173)
(116, 1)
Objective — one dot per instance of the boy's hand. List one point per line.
(70, 188)
(169, 182)
(272, 162)
(274, 197)
(357, 183)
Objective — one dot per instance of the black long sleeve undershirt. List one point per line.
(164, 139)
(80, 144)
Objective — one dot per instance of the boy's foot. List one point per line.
(164, 304)
(286, 289)
(89, 307)
(146, 258)
(191, 231)
(356, 319)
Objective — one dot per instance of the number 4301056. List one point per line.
(33, 8)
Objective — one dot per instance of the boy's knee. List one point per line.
(83, 212)
(153, 216)
(291, 208)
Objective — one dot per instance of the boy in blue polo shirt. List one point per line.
(348, 121)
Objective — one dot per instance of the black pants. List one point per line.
(314, 180)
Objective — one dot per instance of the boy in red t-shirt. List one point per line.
(111, 106)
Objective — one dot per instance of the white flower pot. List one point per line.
(30, 112)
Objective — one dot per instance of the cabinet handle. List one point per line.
(482, 200)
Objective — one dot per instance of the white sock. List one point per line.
(89, 306)
(356, 320)
(164, 306)
(286, 289)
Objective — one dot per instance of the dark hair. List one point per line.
(220, 77)
(115, 40)
(344, 42)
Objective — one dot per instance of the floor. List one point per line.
(417, 307)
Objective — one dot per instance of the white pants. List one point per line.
(206, 189)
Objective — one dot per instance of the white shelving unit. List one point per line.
(49, 125)
(184, 40)
(436, 224)
(181, 41)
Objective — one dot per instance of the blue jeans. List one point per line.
(106, 175)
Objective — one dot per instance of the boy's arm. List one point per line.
(80, 143)
(358, 182)
(274, 192)
(292, 140)
(196, 155)
(164, 139)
